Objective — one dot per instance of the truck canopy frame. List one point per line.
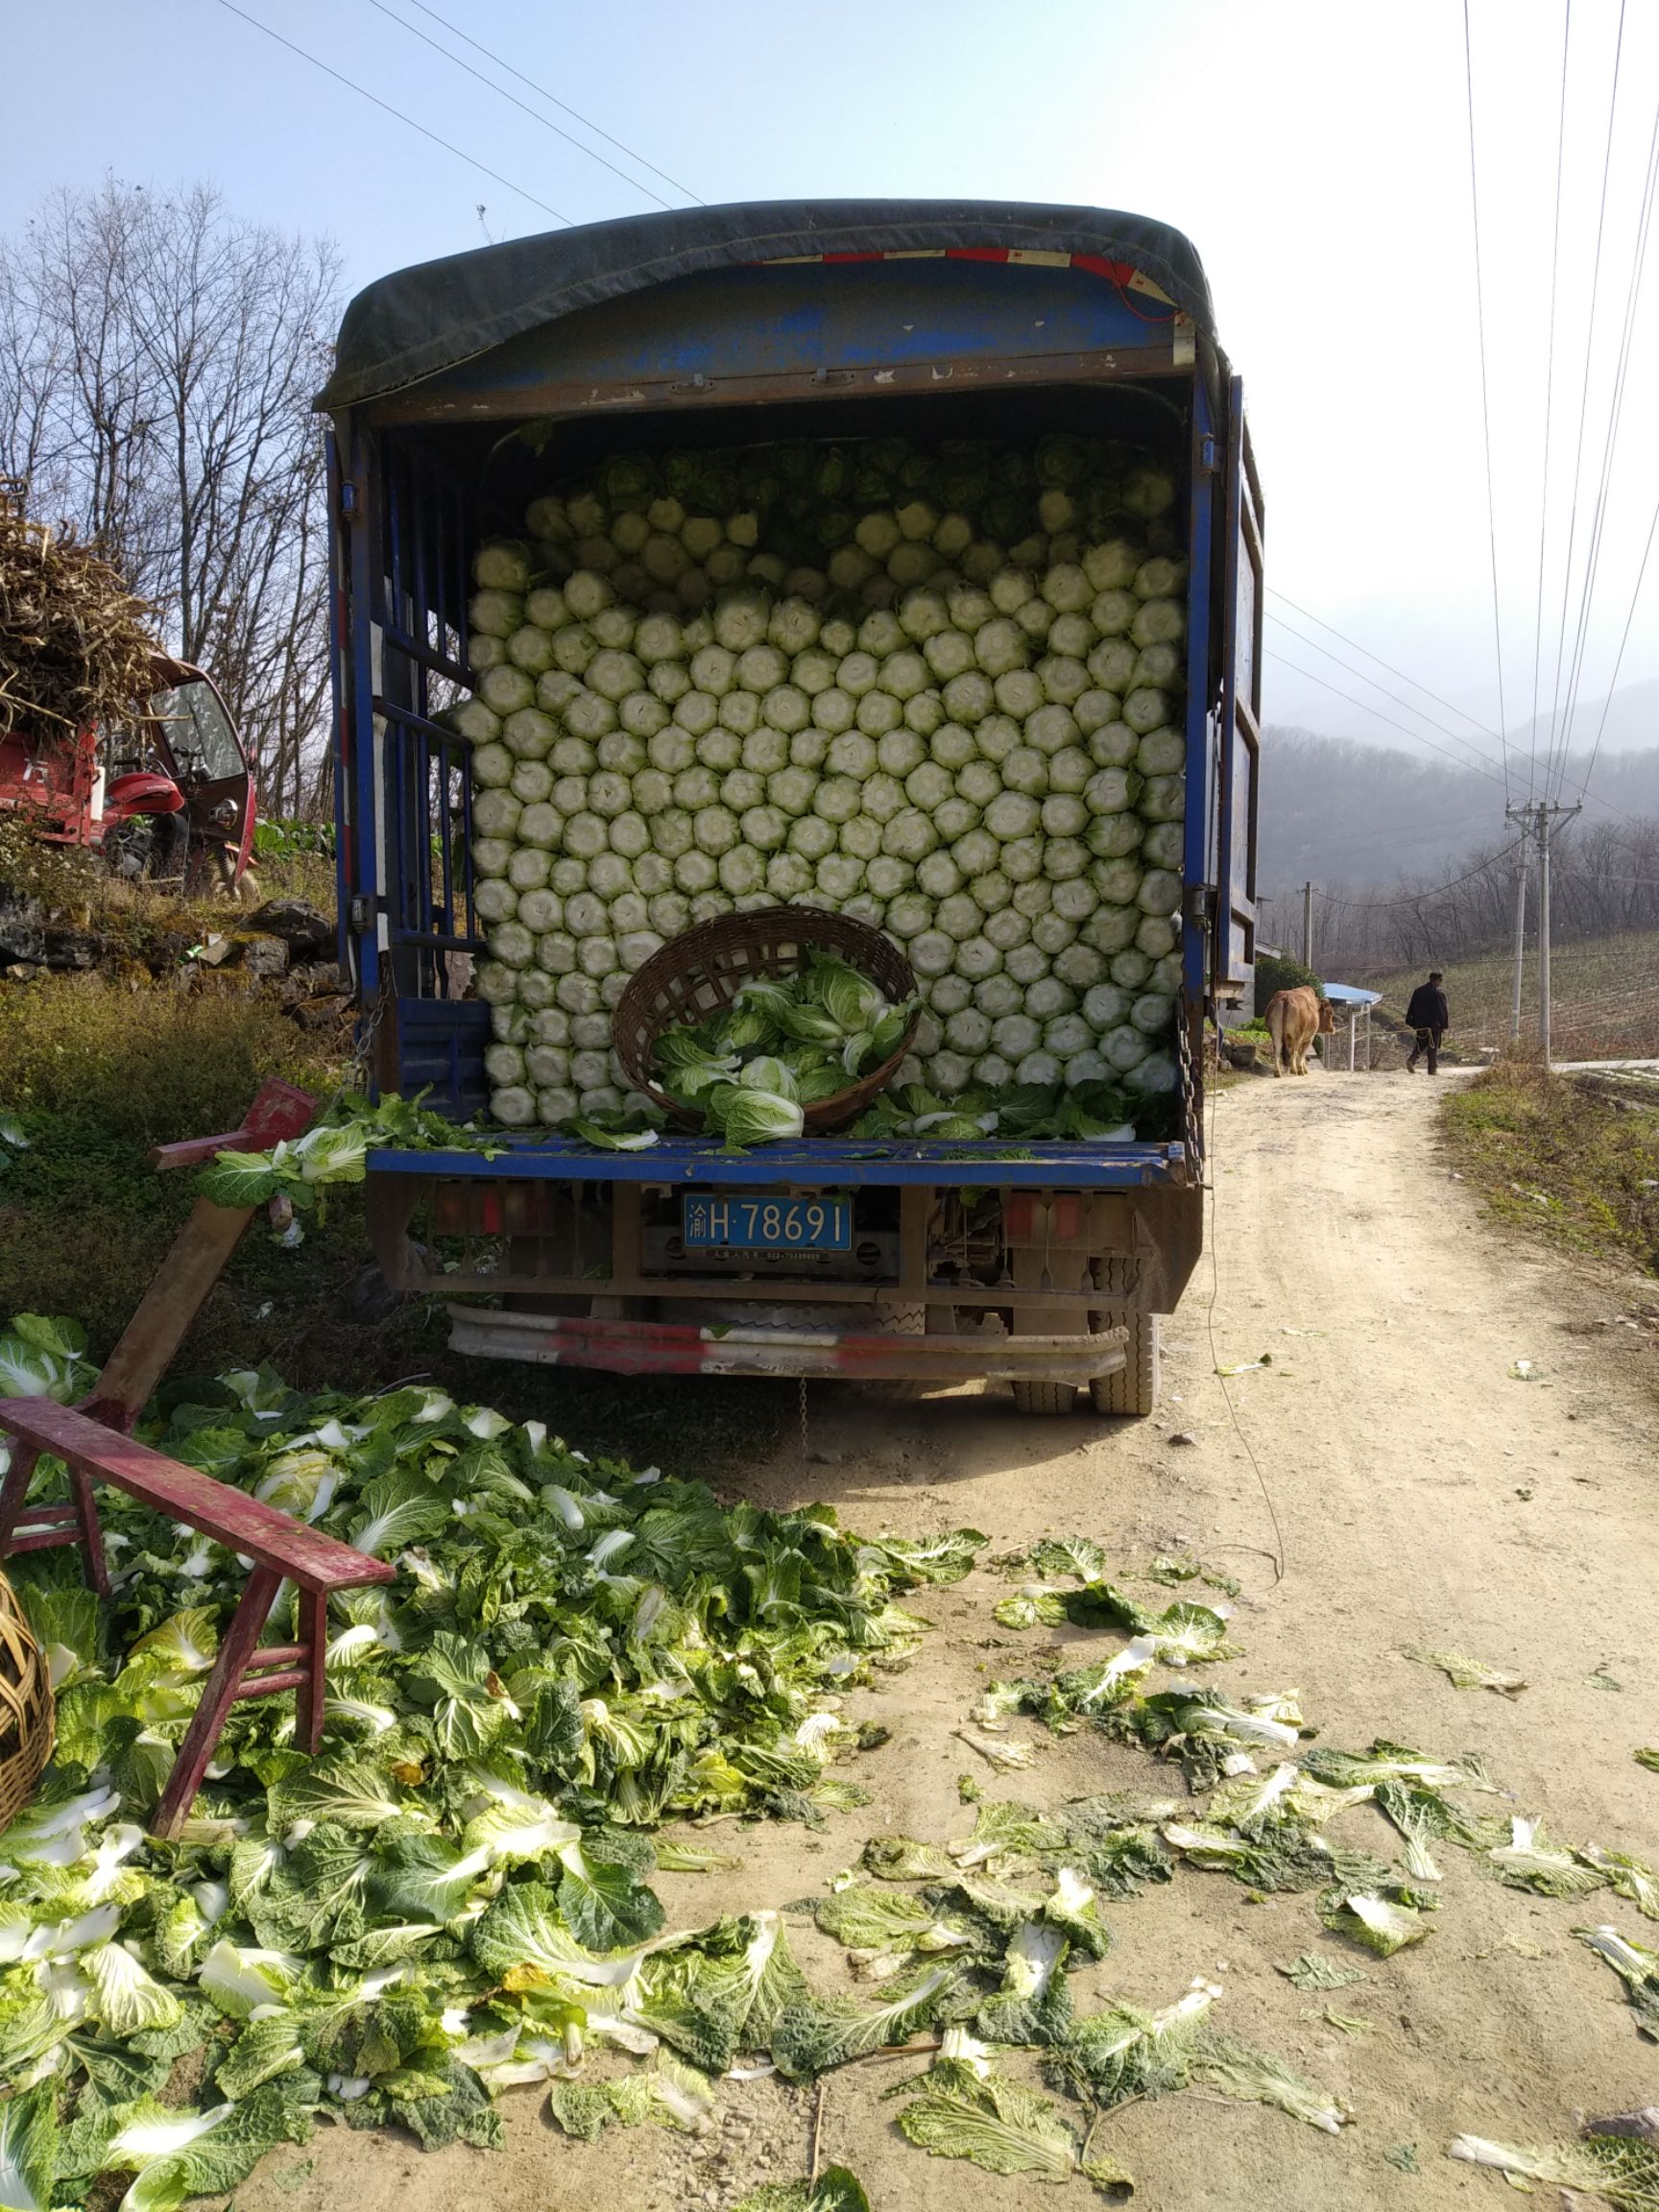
(418, 322)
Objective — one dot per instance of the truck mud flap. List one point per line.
(671, 1348)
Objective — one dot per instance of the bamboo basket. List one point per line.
(701, 970)
(26, 1713)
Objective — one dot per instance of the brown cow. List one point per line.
(1294, 1019)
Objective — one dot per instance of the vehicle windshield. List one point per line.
(199, 731)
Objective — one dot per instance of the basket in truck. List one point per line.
(904, 457)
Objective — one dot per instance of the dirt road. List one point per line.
(1425, 1498)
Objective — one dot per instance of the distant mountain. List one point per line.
(1628, 722)
(1337, 812)
(1632, 723)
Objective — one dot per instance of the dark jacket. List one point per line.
(1427, 1009)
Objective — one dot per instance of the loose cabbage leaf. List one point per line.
(1257, 2076)
(28, 2149)
(1529, 1861)
(1466, 1673)
(1124, 2052)
(1377, 1922)
(602, 1900)
(835, 2190)
(1314, 1971)
(1003, 2127)
(1077, 1555)
(813, 2034)
(1619, 2168)
(1636, 1966)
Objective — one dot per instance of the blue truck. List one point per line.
(1047, 1264)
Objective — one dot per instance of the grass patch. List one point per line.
(99, 1070)
(1562, 1156)
(136, 1066)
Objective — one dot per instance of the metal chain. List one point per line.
(363, 1049)
(805, 1441)
(1192, 1134)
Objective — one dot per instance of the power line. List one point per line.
(541, 92)
(1319, 621)
(1485, 408)
(524, 108)
(1615, 414)
(1416, 735)
(1584, 401)
(1583, 787)
(1457, 737)
(1416, 897)
(386, 107)
(1629, 618)
(1400, 838)
(1549, 397)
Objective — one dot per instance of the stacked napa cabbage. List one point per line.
(936, 689)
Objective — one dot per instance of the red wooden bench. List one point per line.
(95, 1444)
(280, 1547)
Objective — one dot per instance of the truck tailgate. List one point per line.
(845, 1162)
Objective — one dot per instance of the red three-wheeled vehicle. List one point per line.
(168, 794)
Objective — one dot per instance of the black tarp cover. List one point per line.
(419, 321)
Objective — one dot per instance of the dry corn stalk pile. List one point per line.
(76, 647)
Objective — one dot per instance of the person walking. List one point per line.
(1430, 1017)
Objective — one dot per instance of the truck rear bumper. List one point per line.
(680, 1348)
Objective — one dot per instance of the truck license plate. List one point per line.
(712, 1223)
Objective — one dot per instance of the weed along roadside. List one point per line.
(1571, 1158)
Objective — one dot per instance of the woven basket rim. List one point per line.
(28, 1714)
(642, 1017)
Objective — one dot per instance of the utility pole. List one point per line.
(1539, 819)
(1307, 925)
(1520, 942)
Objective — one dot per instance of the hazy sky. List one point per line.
(1317, 153)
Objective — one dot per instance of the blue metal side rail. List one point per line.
(820, 1162)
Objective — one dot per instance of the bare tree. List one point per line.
(1605, 882)
(158, 358)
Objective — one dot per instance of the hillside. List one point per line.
(1340, 813)
(1605, 994)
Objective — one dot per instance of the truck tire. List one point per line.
(1134, 1389)
(1132, 1392)
(1045, 1398)
(896, 1319)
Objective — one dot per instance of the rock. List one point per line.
(266, 957)
(22, 929)
(303, 929)
(367, 1299)
(313, 979)
(73, 949)
(163, 953)
(1183, 1436)
(321, 1014)
(1642, 2125)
